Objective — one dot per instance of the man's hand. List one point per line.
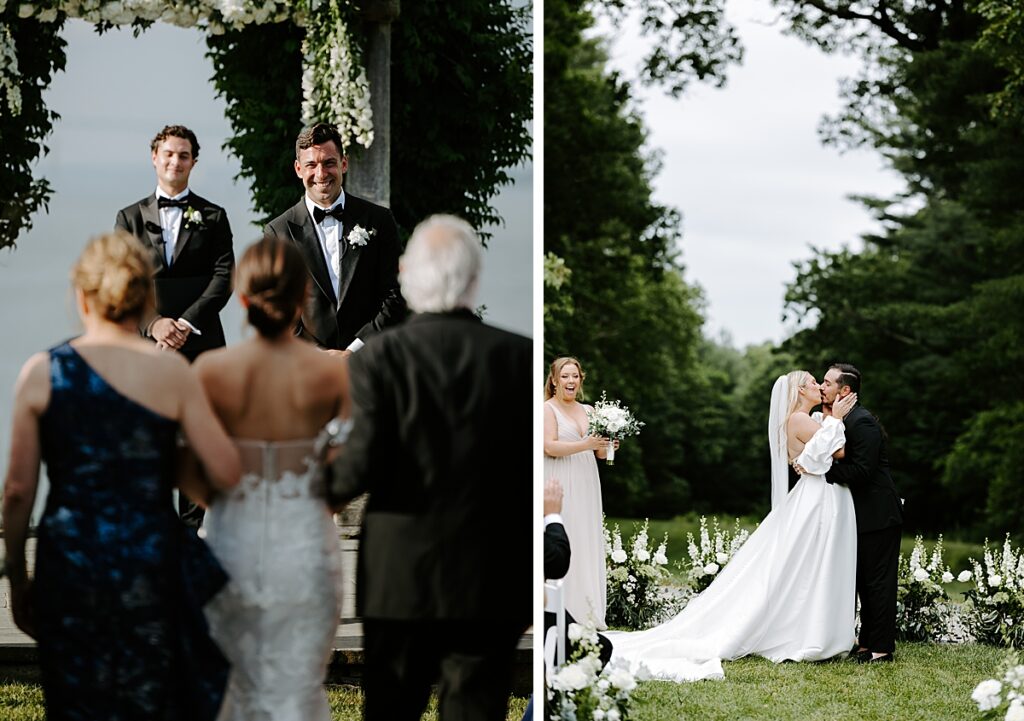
(799, 469)
(169, 333)
(552, 496)
(338, 353)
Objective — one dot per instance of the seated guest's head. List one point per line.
(113, 279)
(271, 279)
(440, 268)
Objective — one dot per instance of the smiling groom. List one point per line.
(350, 247)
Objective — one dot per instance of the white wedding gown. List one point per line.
(787, 594)
(278, 616)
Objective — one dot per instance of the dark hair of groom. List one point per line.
(318, 135)
(849, 376)
(176, 131)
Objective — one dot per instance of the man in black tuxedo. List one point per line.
(557, 554)
(350, 247)
(190, 240)
(865, 470)
(191, 248)
(444, 576)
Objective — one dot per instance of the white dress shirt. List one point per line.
(170, 227)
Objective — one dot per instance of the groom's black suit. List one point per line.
(865, 470)
(368, 282)
(197, 284)
(444, 580)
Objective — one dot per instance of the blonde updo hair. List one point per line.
(556, 369)
(272, 277)
(797, 380)
(115, 273)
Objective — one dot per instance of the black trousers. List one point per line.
(471, 661)
(878, 554)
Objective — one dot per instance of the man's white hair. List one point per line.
(441, 265)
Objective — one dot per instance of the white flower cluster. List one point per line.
(716, 549)
(997, 599)
(922, 604)
(334, 83)
(612, 420)
(582, 690)
(994, 697)
(9, 69)
(636, 596)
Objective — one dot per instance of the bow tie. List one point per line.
(319, 213)
(163, 202)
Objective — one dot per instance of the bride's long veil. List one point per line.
(777, 441)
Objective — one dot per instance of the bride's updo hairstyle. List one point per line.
(797, 380)
(115, 274)
(556, 369)
(272, 278)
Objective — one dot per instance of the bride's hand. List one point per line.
(843, 406)
(595, 443)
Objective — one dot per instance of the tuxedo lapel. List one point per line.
(153, 233)
(300, 225)
(350, 258)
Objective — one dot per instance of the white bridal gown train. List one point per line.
(277, 618)
(787, 594)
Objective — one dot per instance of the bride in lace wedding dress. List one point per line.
(788, 593)
(278, 616)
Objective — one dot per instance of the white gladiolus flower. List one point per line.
(660, 558)
(642, 555)
(619, 556)
(964, 576)
(721, 558)
(575, 632)
(947, 577)
(603, 684)
(920, 574)
(613, 714)
(987, 694)
(995, 581)
(711, 569)
(598, 714)
(621, 678)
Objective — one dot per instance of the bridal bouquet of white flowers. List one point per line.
(715, 550)
(613, 421)
(637, 594)
(921, 600)
(996, 602)
(581, 689)
(1002, 699)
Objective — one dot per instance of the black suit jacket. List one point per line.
(557, 552)
(447, 532)
(197, 285)
(368, 287)
(865, 469)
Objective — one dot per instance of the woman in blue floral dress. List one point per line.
(116, 600)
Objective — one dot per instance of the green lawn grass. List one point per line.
(24, 702)
(928, 682)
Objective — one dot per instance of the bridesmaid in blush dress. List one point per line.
(570, 455)
(115, 603)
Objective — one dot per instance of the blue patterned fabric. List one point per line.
(120, 581)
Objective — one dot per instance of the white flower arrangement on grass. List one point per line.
(996, 602)
(580, 690)
(613, 421)
(922, 604)
(716, 549)
(637, 594)
(1003, 698)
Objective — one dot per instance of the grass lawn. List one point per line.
(24, 702)
(927, 682)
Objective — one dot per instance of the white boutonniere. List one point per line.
(360, 236)
(193, 218)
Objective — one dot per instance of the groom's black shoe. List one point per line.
(857, 651)
(866, 657)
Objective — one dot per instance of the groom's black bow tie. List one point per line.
(319, 213)
(163, 202)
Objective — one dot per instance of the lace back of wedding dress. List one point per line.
(277, 618)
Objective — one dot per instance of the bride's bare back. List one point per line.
(277, 390)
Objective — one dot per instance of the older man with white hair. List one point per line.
(442, 412)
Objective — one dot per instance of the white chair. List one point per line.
(554, 602)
